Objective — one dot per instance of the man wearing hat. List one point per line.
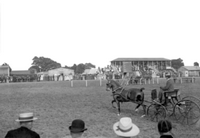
(168, 87)
(125, 128)
(26, 121)
(77, 128)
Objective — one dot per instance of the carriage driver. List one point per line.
(168, 87)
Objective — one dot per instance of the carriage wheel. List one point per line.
(187, 112)
(169, 107)
(192, 98)
(156, 112)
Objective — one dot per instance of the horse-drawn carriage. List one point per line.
(185, 110)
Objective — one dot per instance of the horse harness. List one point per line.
(122, 89)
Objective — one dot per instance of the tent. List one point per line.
(67, 74)
(91, 71)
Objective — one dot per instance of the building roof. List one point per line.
(20, 72)
(3, 67)
(140, 59)
(191, 68)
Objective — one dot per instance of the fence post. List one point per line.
(100, 82)
(86, 83)
(157, 80)
(181, 80)
(153, 80)
(71, 83)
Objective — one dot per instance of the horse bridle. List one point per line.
(113, 91)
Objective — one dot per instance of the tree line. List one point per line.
(42, 64)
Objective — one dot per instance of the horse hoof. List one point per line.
(136, 110)
(118, 114)
(142, 116)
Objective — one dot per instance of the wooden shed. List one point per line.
(189, 71)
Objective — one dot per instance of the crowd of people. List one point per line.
(123, 128)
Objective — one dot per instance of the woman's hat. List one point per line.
(77, 126)
(126, 128)
(26, 117)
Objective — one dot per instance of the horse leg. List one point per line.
(136, 108)
(113, 102)
(118, 105)
(144, 110)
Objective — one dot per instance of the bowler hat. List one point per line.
(77, 126)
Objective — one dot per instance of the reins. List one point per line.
(117, 89)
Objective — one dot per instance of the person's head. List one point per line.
(77, 128)
(164, 126)
(124, 128)
(26, 120)
(167, 75)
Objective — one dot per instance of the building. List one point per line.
(4, 71)
(189, 71)
(141, 63)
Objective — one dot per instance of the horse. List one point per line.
(121, 95)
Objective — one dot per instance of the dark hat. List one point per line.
(167, 74)
(77, 126)
(164, 126)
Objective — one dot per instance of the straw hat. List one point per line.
(26, 117)
(126, 128)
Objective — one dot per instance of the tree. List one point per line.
(177, 63)
(34, 67)
(196, 64)
(80, 68)
(89, 66)
(45, 64)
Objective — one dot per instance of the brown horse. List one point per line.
(121, 95)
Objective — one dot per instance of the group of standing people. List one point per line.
(25, 121)
(124, 128)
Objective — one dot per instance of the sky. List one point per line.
(90, 31)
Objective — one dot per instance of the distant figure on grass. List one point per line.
(164, 129)
(26, 122)
(124, 128)
(76, 129)
(168, 87)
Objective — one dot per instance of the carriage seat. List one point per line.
(175, 94)
(167, 95)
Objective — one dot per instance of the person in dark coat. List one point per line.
(165, 128)
(76, 129)
(24, 131)
(168, 87)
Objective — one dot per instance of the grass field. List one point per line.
(56, 104)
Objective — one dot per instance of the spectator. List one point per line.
(164, 129)
(77, 128)
(26, 121)
(125, 128)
